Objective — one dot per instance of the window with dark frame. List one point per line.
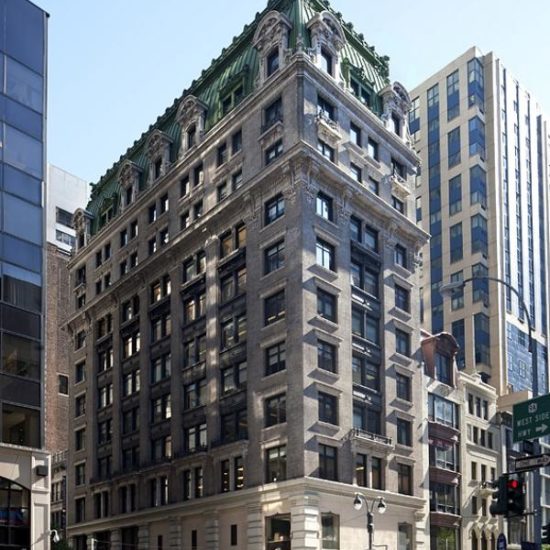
(328, 408)
(326, 305)
(275, 410)
(274, 209)
(274, 308)
(274, 257)
(326, 356)
(275, 358)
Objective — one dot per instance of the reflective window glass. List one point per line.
(22, 151)
(24, 85)
(22, 219)
(22, 185)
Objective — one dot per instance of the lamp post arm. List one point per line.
(516, 293)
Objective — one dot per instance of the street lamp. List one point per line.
(358, 504)
(451, 288)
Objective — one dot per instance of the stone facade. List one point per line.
(215, 328)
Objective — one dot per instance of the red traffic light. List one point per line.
(513, 484)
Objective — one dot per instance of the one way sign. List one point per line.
(531, 463)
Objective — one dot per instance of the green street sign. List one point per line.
(532, 418)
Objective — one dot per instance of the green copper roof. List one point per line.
(238, 65)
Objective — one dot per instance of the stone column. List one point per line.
(211, 532)
(116, 540)
(255, 530)
(305, 521)
(143, 537)
(175, 538)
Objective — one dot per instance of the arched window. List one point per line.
(473, 536)
(484, 545)
(14, 514)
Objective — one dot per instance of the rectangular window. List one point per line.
(372, 148)
(453, 145)
(273, 113)
(221, 157)
(325, 109)
(326, 150)
(403, 386)
(404, 432)
(272, 65)
(326, 356)
(236, 142)
(274, 209)
(323, 207)
(325, 254)
(476, 133)
(328, 408)
(274, 257)
(402, 298)
(273, 152)
(455, 195)
(402, 342)
(326, 305)
(275, 358)
(275, 410)
(400, 255)
(326, 62)
(328, 462)
(404, 479)
(455, 242)
(330, 532)
(356, 172)
(355, 134)
(371, 238)
(275, 464)
(365, 373)
(274, 308)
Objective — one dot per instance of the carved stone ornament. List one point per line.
(252, 208)
(191, 108)
(128, 175)
(343, 205)
(272, 31)
(418, 258)
(157, 144)
(391, 233)
(81, 221)
(326, 31)
(302, 171)
(396, 100)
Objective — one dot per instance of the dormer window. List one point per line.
(128, 178)
(327, 40)
(271, 42)
(272, 62)
(396, 123)
(232, 99)
(158, 166)
(326, 62)
(360, 91)
(191, 118)
(397, 104)
(191, 135)
(158, 152)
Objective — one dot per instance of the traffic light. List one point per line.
(499, 505)
(515, 496)
(546, 534)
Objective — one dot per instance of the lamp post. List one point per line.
(358, 504)
(449, 289)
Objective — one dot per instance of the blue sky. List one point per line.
(115, 65)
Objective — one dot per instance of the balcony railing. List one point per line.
(370, 436)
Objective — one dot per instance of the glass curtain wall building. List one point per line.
(23, 466)
(483, 197)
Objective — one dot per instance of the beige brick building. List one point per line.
(245, 318)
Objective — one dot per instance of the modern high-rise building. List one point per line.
(64, 194)
(246, 346)
(24, 466)
(483, 196)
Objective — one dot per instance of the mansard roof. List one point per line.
(239, 62)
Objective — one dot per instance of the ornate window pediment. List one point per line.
(157, 150)
(82, 222)
(271, 41)
(128, 177)
(327, 40)
(396, 105)
(191, 117)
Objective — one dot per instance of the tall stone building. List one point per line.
(246, 347)
(65, 193)
(483, 197)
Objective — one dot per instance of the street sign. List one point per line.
(531, 463)
(501, 542)
(532, 418)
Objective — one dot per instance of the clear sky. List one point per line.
(116, 65)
